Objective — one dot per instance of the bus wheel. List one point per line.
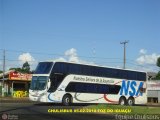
(67, 100)
(122, 101)
(130, 101)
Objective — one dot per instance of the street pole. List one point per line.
(124, 54)
(3, 72)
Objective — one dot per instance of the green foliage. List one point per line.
(25, 68)
(16, 69)
(1, 71)
(158, 76)
(158, 62)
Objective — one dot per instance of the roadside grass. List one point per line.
(118, 109)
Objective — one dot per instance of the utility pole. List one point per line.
(124, 55)
(3, 71)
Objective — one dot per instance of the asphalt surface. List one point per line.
(39, 111)
(23, 109)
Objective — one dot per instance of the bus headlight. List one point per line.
(42, 94)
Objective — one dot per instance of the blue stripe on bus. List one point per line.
(51, 99)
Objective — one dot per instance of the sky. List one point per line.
(87, 31)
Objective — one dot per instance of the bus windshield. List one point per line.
(43, 68)
(39, 82)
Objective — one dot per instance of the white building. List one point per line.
(153, 88)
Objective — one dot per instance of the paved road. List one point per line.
(37, 111)
(26, 110)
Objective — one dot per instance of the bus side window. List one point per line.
(52, 87)
(56, 79)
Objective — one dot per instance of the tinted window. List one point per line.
(92, 88)
(70, 68)
(43, 68)
(56, 80)
(38, 82)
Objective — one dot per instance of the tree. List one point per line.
(1, 71)
(158, 76)
(158, 64)
(26, 68)
(16, 69)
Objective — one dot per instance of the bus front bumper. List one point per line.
(37, 98)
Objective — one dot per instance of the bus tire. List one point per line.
(122, 101)
(67, 100)
(130, 101)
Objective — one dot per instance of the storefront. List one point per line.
(153, 88)
(16, 85)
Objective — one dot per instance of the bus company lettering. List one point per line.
(79, 78)
(91, 79)
(132, 91)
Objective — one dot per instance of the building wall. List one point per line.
(5, 89)
(153, 96)
(153, 88)
(9, 91)
(159, 97)
(152, 93)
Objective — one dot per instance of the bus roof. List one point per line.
(95, 65)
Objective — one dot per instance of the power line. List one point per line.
(116, 60)
(57, 54)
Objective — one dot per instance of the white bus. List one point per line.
(67, 83)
